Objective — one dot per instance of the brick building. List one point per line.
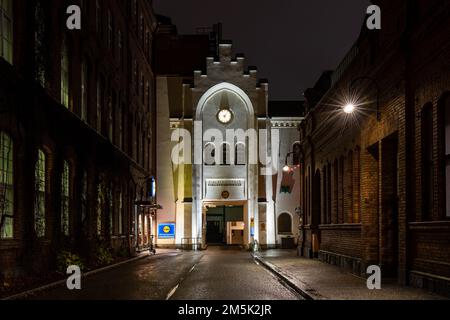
(376, 185)
(76, 131)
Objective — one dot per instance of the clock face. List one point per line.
(225, 116)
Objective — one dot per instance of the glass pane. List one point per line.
(39, 213)
(65, 200)
(6, 187)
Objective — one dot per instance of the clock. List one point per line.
(225, 116)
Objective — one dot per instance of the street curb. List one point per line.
(303, 290)
(25, 294)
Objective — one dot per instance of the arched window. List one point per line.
(100, 204)
(64, 73)
(226, 154)
(210, 154)
(40, 46)
(120, 218)
(447, 155)
(6, 187)
(427, 161)
(65, 199)
(6, 30)
(40, 188)
(297, 153)
(240, 154)
(285, 223)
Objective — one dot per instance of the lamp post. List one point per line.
(350, 108)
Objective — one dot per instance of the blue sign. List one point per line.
(166, 230)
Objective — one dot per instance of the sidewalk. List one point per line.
(320, 281)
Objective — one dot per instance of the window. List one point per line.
(121, 116)
(6, 187)
(64, 74)
(98, 16)
(226, 154)
(110, 210)
(110, 31)
(210, 154)
(65, 197)
(111, 108)
(119, 47)
(40, 185)
(427, 161)
(40, 47)
(240, 154)
(120, 222)
(100, 99)
(6, 30)
(100, 206)
(84, 202)
(447, 155)
(284, 224)
(84, 90)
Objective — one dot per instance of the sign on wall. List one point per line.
(166, 231)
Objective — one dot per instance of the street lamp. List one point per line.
(287, 167)
(350, 107)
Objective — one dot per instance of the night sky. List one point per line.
(290, 41)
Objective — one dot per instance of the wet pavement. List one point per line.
(227, 273)
(219, 273)
(150, 278)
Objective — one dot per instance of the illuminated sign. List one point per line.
(166, 230)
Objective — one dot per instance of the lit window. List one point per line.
(120, 224)
(64, 74)
(40, 47)
(65, 196)
(6, 30)
(40, 182)
(6, 187)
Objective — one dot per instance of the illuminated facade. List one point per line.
(220, 159)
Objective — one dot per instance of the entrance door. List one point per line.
(219, 222)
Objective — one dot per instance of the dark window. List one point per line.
(427, 162)
(284, 223)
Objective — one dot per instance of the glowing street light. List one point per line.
(349, 108)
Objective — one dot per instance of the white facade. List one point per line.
(201, 165)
